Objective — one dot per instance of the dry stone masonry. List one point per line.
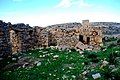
(83, 37)
(5, 45)
(20, 37)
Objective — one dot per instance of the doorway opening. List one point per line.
(88, 40)
(81, 38)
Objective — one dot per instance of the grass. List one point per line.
(64, 65)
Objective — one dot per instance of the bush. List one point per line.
(116, 74)
(109, 39)
(118, 41)
(112, 45)
(112, 57)
(92, 56)
(73, 50)
(107, 73)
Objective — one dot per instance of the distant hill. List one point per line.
(109, 27)
(106, 24)
(65, 25)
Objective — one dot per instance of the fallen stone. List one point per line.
(56, 56)
(1, 59)
(96, 76)
(39, 63)
(114, 70)
(85, 72)
(14, 59)
(111, 66)
(105, 63)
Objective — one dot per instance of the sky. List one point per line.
(48, 12)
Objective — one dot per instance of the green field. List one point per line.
(54, 64)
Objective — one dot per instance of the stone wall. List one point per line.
(15, 41)
(41, 36)
(5, 45)
(16, 38)
(20, 37)
(69, 38)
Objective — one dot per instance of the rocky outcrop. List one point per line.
(110, 28)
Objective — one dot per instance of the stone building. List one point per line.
(84, 37)
(20, 37)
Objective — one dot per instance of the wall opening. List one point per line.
(52, 42)
(88, 40)
(81, 38)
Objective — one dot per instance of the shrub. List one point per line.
(92, 56)
(118, 41)
(73, 50)
(112, 57)
(112, 45)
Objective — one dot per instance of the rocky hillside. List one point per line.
(66, 25)
(108, 27)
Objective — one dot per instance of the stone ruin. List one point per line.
(84, 37)
(16, 38)
(20, 37)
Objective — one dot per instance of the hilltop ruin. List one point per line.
(20, 37)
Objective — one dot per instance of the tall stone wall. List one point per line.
(15, 41)
(16, 38)
(5, 45)
(42, 36)
(22, 38)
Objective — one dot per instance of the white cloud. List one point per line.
(69, 3)
(57, 18)
(65, 3)
(82, 3)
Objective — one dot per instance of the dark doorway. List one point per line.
(88, 40)
(52, 42)
(81, 38)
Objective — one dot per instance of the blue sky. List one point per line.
(48, 12)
